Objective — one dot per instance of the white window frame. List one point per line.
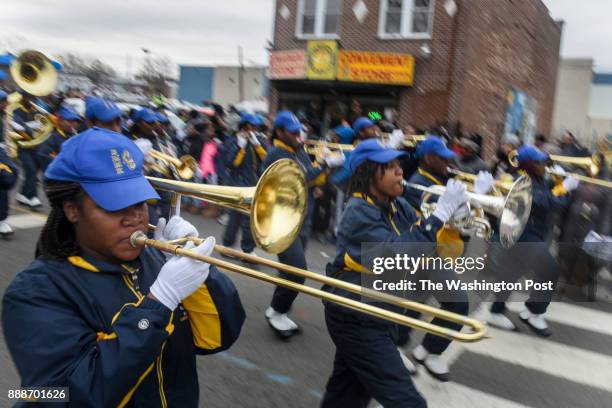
(319, 22)
(406, 22)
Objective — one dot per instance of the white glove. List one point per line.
(454, 196)
(242, 141)
(395, 139)
(144, 145)
(181, 276)
(335, 160)
(484, 182)
(253, 139)
(176, 228)
(34, 125)
(558, 169)
(570, 184)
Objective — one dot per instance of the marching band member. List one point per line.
(23, 117)
(67, 124)
(533, 254)
(8, 178)
(368, 363)
(365, 129)
(103, 114)
(117, 325)
(244, 153)
(288, 144)
(434, 158)
(8, 174)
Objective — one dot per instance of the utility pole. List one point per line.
(240, 75)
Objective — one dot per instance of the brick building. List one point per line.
(472, 58)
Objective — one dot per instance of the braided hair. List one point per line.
(57, 240)
(364, 177)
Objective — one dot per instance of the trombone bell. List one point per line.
(276, 206)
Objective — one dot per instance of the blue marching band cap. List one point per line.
(67, 113)
(288, 121)
(161, 118)
(436, 146)
(101, 109)
(248, 118)
(146, 115)
(528, 152)
(345, 134)
(107, 165)
(362, 123)
(372, 150)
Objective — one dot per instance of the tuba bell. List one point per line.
(34, 73)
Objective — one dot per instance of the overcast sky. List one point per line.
(209, 31)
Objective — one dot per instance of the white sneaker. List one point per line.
(281, 323)
(500, 321)
(223, 219)
(407, 362)
(437, 367)
(23, 200)
(420, 354)
(5, 228)
(35, 202)
(536, 322)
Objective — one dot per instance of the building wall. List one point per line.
(226, 84)
(573, 97)
(488, 48)
(195, 84)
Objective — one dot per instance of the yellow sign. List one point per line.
(375, 67)
(322, 60)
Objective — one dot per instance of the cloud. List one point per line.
(209, 31)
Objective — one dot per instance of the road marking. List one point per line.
(25, 221)
(450, 394)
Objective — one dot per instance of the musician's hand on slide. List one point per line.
(181, 276)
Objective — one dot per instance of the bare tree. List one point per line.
(156, 72)
(98, 72)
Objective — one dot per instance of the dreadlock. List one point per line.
(364, 177)
(57, 240)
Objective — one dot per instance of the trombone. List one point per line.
(593, 164)
(410, 141)
(33, 72)
(184, 167)
(479, 331)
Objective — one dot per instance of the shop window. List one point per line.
(318, 18)
(405, 18)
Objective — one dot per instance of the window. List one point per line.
(405, 18)
(318, 18)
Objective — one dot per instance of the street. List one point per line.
(573, 368)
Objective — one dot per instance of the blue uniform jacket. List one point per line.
(243, 164)
(21, 116)
(315, 174)
(423, 178)
(367, 220)
(48, 150)
(89, 326)
(546, 198)
(8, 171)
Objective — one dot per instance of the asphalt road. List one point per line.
(571, 369)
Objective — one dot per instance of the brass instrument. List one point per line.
(512, 211)
(171, 167)
(500, 187)
(478, 332)
(33, 72)
(276, 205)
(321, 149)
(593, 164)
(410, 141)
(586, 179)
